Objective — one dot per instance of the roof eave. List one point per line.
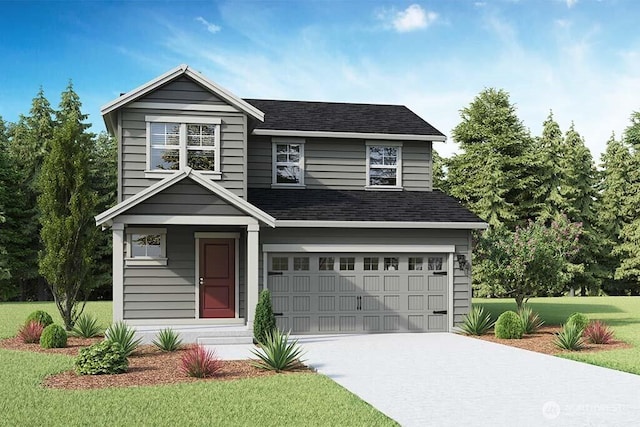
(352, 135)
(383, 224)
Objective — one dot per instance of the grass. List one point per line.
(621, 313)
(278, 400)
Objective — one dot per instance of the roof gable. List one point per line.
(110, 108)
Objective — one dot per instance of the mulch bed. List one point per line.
(147, 366)
(542, 342)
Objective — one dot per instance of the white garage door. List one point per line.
(355, 293)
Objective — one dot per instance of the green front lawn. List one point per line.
(621, 313)
(278, 400)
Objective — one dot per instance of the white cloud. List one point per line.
(412, 18)
(571, 3)
(212, 28)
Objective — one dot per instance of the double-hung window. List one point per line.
(146, 246)
(384, 166)
(174, 143)
(288, 162)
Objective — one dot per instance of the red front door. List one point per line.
(217, 278)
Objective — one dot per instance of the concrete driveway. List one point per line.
(441, 379)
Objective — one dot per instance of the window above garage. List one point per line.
(384, 166)
(288, 162)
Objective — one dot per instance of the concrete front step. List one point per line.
(205, 334)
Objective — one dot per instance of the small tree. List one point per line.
(67, 205)
(265, 321)
(534, 260)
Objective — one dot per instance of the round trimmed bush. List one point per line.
(579, 320)
(53, 336)
(509, 326)
(41, 317)
(105, 357)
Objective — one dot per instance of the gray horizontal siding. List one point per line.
(134, 149)
(169, 292)
(339, 164)
(182, 90)
(185, 198)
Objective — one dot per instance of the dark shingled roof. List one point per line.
(341, 117)
(359, 205)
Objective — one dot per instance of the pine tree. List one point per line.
(495, 173)
(7, 288)
(67, 205)
(438, 174)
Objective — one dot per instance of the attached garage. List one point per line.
(325, 290)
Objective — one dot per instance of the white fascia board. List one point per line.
(187, 220)
(358, 248)
(172, 74)
(384, 224)
(140, 197)
(357, 135)
(231, 198)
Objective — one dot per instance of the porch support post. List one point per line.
(253, 255)
(118, 271)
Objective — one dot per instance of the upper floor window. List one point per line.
(384, 166)
(288, 162)
(173, 143)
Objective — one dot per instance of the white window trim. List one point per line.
(398, 165)
(301, 163)
(139, 261)
(183, 121)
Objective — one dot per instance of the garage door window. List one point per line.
(370, 263)
(391, 264)
(415, 264)
(347, 263)
(325, 263)
(279, 263)
(301, 263)
(435, 263)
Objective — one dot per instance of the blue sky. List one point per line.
(580, 58)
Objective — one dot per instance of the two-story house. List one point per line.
(328, 205)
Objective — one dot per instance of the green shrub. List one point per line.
(509, 326)
(277, 353)
(579, 320)
(265, 321)
(41, 317)
(530, 320)
(53, 336)
(87, 327)
(569, 337)
(105, 357)
(168, 340)
(476, 322)
(121, 333)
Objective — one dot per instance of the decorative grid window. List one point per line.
(325, 263)
(301, 263)
(370, 263)
(435, 263)
(280, 263)
(415, 264)
(383, 166)
(391, 264)
(347, 263)
(174, 143)
(146, 246)
(288, 162)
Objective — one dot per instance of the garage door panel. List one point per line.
(356, 293)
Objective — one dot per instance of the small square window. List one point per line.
(146, 246)
(415, 264)
(347, 263)
(435, 263)
(391, 264)
(280, 263)
(301, 263)
(370, 263)
(325, 263)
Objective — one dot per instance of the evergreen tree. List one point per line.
(67, 205)
(495, 173)
(438, 172)
(629, 248)
(7, 288)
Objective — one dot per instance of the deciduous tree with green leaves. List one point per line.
(67, 205)
(533, 260)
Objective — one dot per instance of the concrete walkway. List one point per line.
(441, 379)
